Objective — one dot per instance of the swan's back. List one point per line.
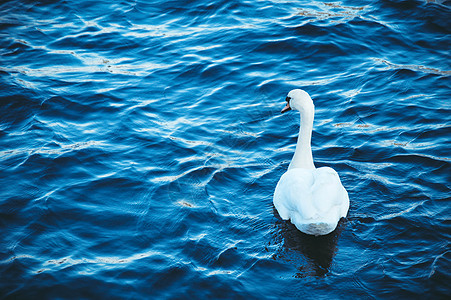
(313, 199)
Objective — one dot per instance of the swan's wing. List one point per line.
(293, 194)
(328, 192)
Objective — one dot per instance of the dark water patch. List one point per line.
(17, 109)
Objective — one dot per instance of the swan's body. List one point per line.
(313, 199)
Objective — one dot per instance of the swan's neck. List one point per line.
(303, 155)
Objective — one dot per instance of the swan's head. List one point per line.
(298, 100)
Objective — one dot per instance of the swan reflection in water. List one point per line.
(312, 255)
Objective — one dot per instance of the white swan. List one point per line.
(313, 199)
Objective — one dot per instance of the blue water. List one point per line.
(141, 142)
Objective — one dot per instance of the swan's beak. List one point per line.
(286, 108)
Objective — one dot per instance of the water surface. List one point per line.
(141, 142)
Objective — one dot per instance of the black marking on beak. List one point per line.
(287, 107)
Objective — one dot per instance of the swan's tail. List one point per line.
(317, 228)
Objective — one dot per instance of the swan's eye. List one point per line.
(287, 99)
